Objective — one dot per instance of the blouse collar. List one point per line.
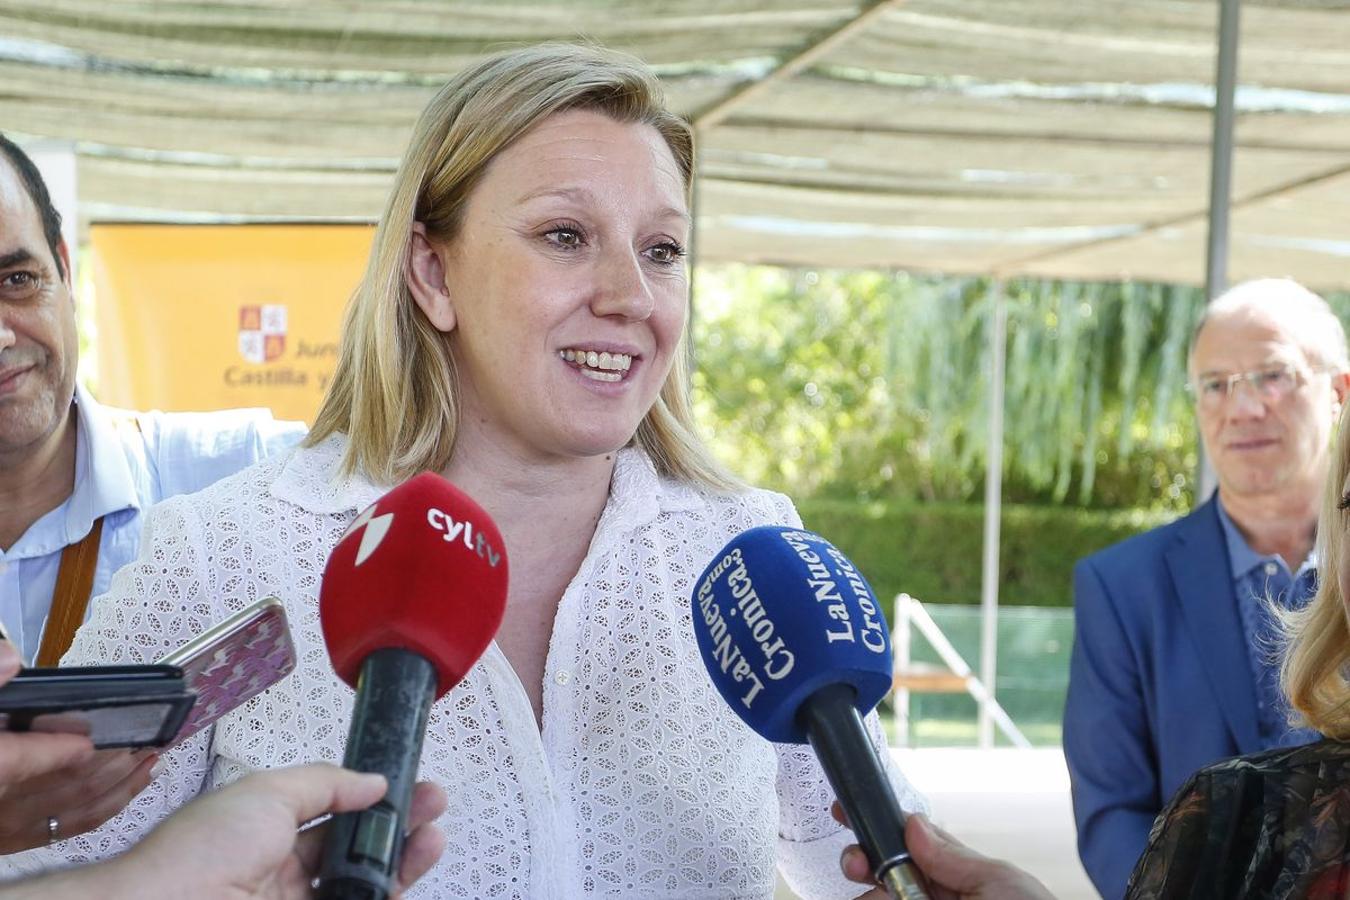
(312, 480)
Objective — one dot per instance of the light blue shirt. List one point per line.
(120, 472)
(1259, 581)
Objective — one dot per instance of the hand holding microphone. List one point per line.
(954, 871)
(795, 642)
(257, 818)
(412, 595)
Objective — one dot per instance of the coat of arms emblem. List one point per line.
(262, 332)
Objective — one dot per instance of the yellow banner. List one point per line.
(201, 317)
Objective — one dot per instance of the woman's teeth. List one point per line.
(599, 366)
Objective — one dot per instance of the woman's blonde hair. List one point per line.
(394, 391)
(1317, 650)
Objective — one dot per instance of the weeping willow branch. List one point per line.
(870, 384)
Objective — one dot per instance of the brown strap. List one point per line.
(74, 581)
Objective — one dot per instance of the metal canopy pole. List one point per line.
(1220, 182)
(1221, 161)
(993, 511)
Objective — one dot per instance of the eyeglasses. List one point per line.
(1270, 383)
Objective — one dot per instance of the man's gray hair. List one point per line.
(1310, 318)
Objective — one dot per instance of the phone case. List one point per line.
(234, 661)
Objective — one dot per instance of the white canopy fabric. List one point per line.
(1009, 137)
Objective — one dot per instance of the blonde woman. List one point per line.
(1277, 823)
(519, 329)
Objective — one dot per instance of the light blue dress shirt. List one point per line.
(121, 470)
(1258, 581)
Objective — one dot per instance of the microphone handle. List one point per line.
(361, 850)
(839, 738)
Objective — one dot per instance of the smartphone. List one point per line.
(116, 706)
(234, 661)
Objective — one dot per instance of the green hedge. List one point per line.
(934, 551)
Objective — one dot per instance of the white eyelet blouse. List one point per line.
(641, 783)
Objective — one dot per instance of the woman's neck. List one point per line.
(547, 512)
(535, 501)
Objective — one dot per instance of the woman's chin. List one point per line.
(600, 442)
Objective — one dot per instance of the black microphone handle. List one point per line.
(361, 850)
(854, 770)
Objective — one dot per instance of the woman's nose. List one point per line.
(623, 289)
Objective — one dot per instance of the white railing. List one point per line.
(954, 678)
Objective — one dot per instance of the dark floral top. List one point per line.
(1271, 825)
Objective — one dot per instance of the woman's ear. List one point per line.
(426, 280)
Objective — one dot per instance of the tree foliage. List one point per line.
(876, 385)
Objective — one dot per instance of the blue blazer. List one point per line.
(1159, 684)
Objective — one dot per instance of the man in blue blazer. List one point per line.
(1174, 662)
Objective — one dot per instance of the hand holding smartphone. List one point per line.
(161, 704)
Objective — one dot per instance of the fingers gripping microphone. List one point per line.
(797, 645)
(412, 595)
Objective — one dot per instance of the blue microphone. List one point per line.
(797, 645)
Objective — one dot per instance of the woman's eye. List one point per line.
(666, 254)
(566, 237)
(1344, 502)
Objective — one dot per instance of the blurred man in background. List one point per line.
(1174, 661)
(76, 479)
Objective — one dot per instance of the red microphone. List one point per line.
(411, 596)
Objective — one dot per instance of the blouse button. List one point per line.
(562, 678)
(1271, 568)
